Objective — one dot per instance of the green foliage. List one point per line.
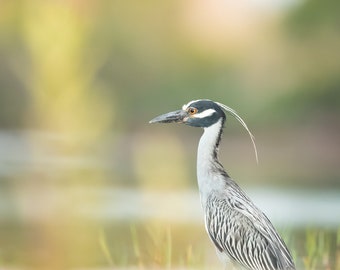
(132, 56)
(153, 245)
(105, 248)
(314, 15)
(317, 249)
(165, 247)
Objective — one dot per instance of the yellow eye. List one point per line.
(192, 110)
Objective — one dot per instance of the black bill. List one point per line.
(171, 117)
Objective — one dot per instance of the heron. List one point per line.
(241, 232)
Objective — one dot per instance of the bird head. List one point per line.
(202, 113)
(198, 113)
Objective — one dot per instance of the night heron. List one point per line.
(239, 230)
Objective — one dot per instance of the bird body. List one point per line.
(239, 230)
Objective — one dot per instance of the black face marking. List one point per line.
(201, 106)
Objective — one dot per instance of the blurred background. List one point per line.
(87, 183)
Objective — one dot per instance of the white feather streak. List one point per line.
(205, 113)
(241, 121)
(186, 106)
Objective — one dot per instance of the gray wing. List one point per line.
(239, 229)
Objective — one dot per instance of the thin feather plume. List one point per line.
(241, 121)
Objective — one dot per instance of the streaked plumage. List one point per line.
(238, 229)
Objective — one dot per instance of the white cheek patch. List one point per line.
(204, 114)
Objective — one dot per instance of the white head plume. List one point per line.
(238, 118)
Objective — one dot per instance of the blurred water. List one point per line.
(18, 156)
(285, 207)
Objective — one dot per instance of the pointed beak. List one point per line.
(171, 117)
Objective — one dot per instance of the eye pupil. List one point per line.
(192, 110)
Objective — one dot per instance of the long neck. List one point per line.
(207, 160)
